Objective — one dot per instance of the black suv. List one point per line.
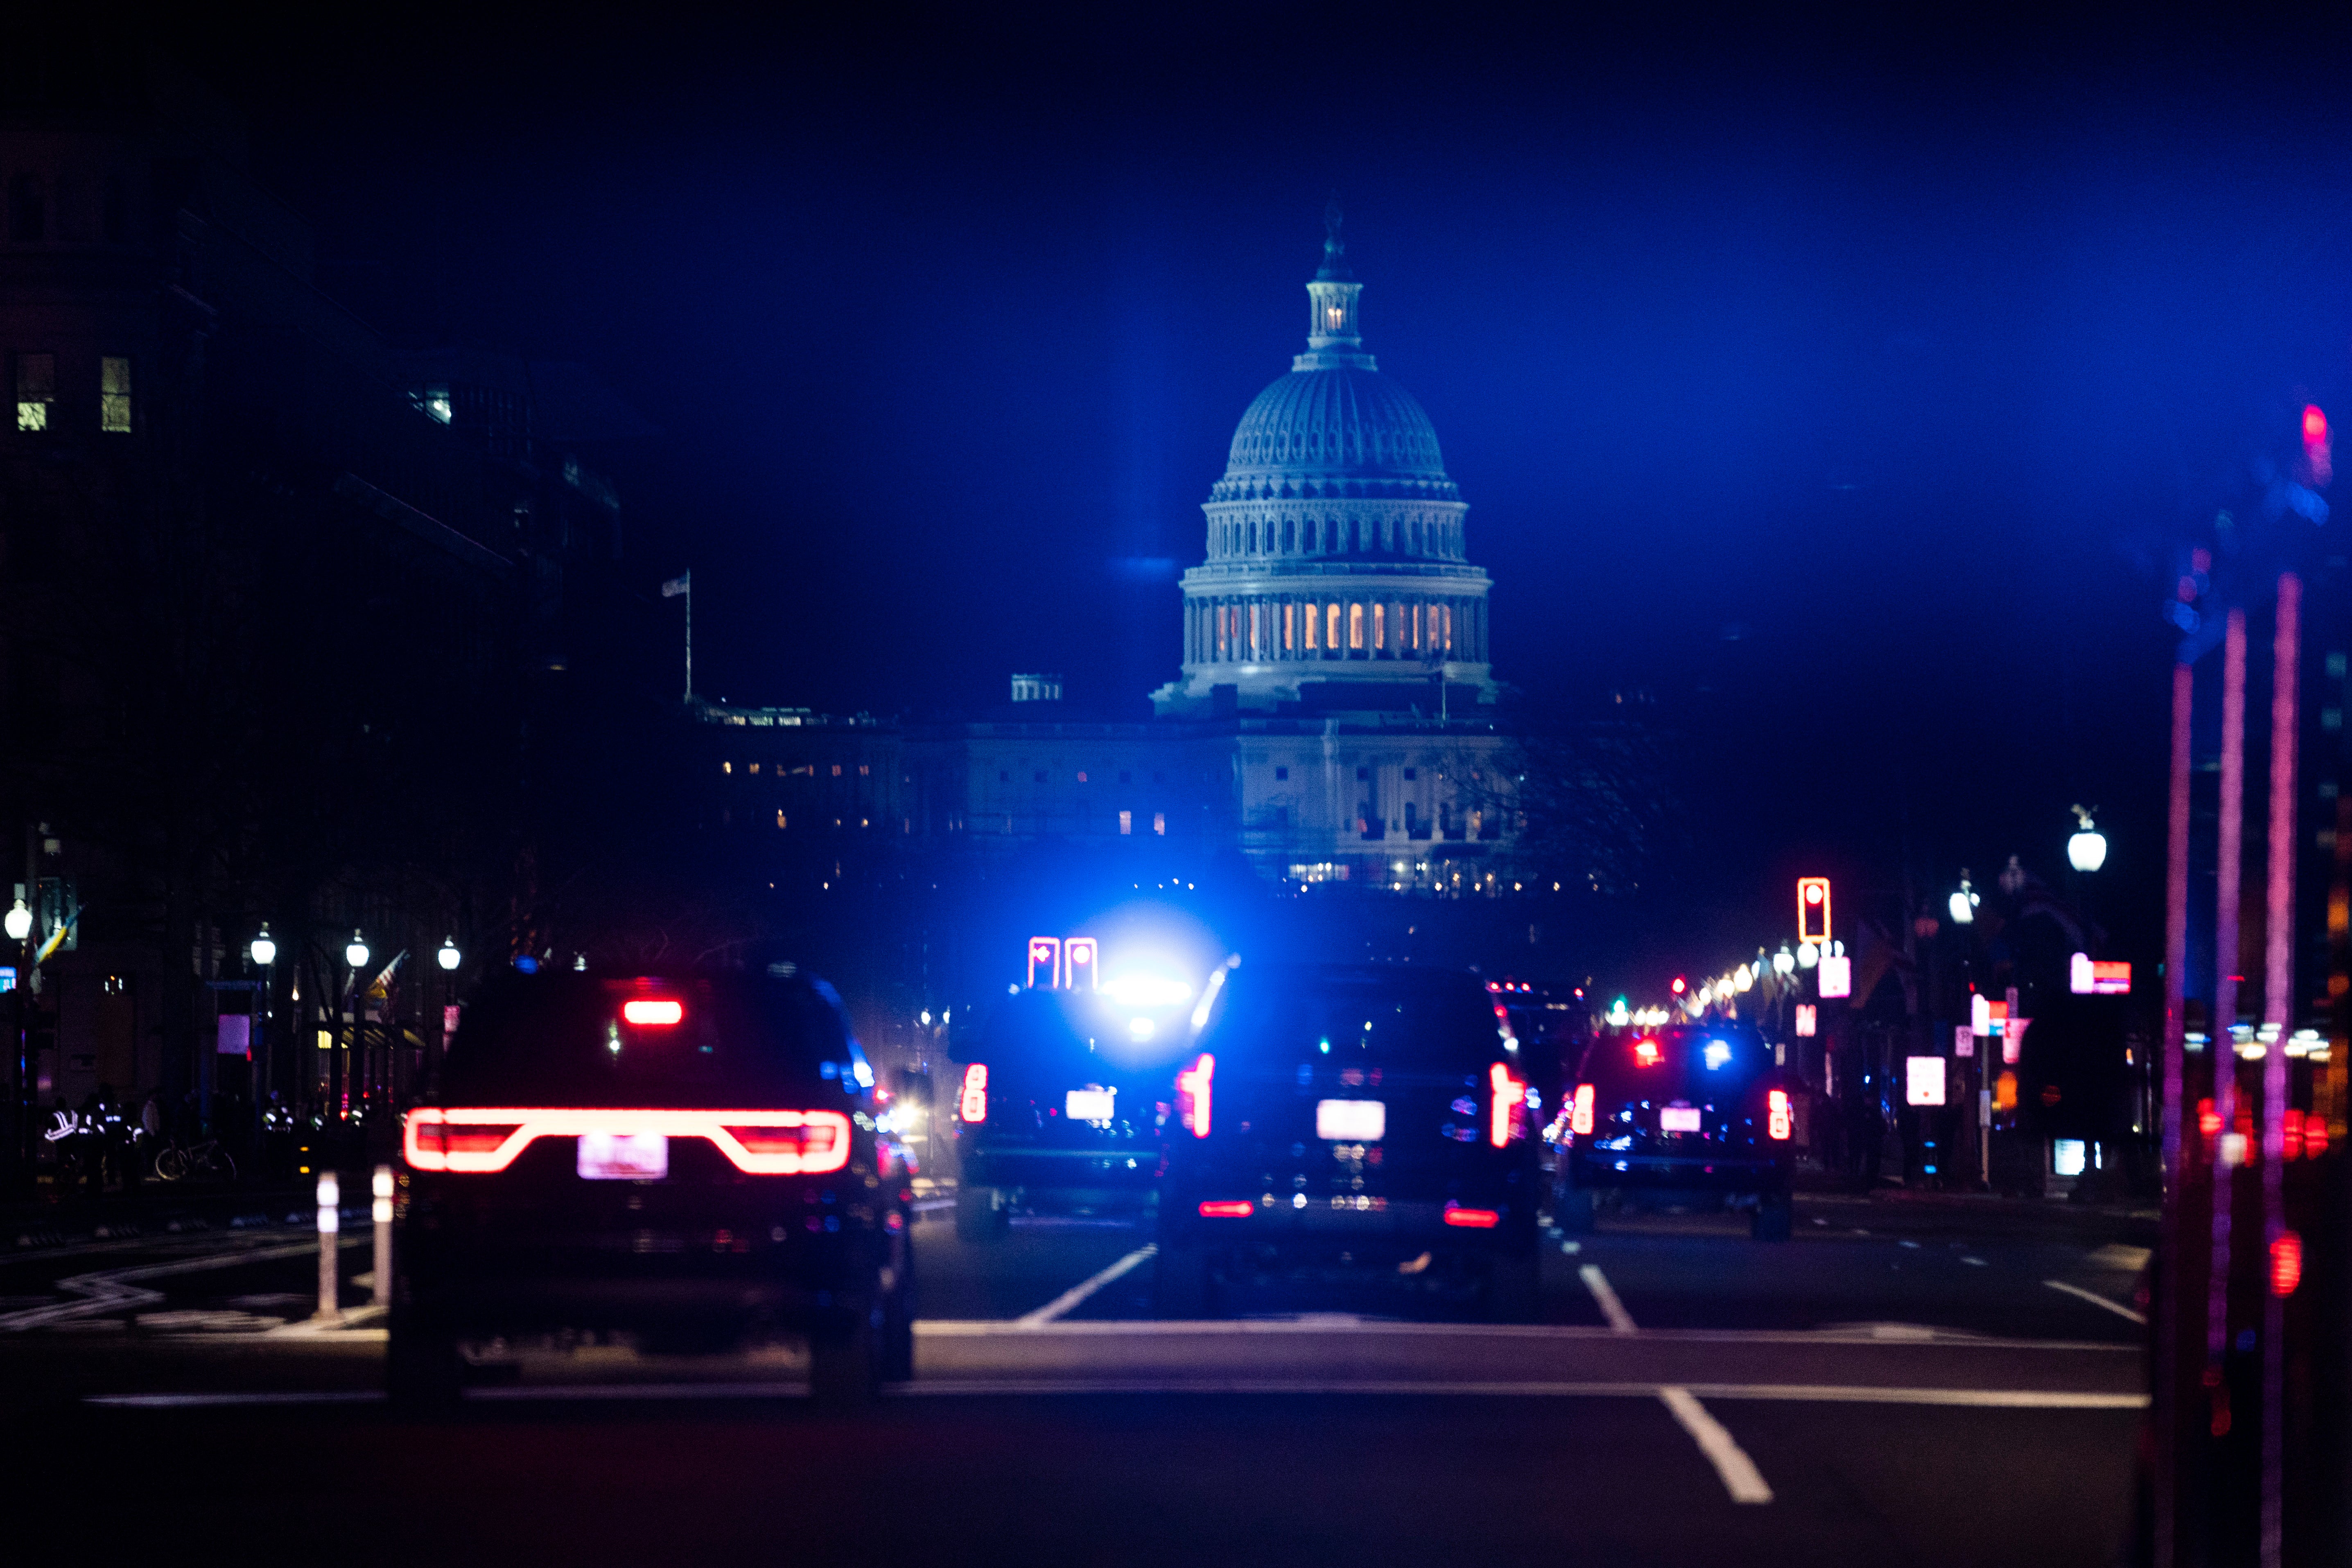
(1684, 1110)
(1061, 1108)
(686, 1159)
(1351, 1122)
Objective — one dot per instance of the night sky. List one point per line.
(1847, 382)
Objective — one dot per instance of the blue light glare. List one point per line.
(1718, 1053)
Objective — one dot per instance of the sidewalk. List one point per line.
(153, 1210)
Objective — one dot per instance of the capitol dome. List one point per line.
(1335, 576)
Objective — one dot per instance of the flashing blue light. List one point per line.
(1718, 1053)
(1324, 1046)
(526, 963)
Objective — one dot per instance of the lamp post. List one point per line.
(448, 958)
(265, 958)
(355, 955)
(18, 924)
(2086, 851)
(1963, 903)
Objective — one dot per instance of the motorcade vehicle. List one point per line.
(1678, 1113)
(685, 1161)
(1062, 1106)
(1368, 1123)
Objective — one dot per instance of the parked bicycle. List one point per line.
(206, 1161)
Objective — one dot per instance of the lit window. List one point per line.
(779, 820)
(1314, 630)
(114, 394)
(1082, 775)
(1355, 628)
(1379, 626)
(836, 770)
(864, 770)
(1127, 822)
(1160, 823)
(1289, 628)
(754, 768)
(37, 388)
(1331, 628)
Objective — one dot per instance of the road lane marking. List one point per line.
(115, 1290)
(988, 1328)
(1620, 1321)
(1740, 1477)
(1791, 1392)
(2115, 1255)
(1070, 1299)
(1972, 1262)
(2095, 1300)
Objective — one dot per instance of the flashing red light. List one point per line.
(1679, 986)
(1646, 1053)
(1778, 1121)
(1194, 1093)
(1579, 1116)
(973, 1106)
(2208, 1120)
(1228, 1208)
(1506, 1097)
(2286, 1263)
(2315, 425)
(2291, 1135)
(482, 1141)
(1473, 1219)
(653, 1011)
(1813, 910)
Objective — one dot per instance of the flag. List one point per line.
(681, 583)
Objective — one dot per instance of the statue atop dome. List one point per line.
(1335, 268)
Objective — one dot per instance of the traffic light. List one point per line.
(2317, 449)
(1813, 910)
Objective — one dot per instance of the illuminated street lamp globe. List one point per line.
(18, 922)
(1784, 963)
(1808, 955)
(1963, 904)
(264, 948)
(448, 955)
(356, 952)
(2087, 850)
(1744, 979)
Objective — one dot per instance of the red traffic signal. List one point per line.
(1813, 910)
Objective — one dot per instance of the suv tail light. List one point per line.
(1780, 1123)
(464, 1138)
(1472, 1219)
(1194, 1088)
(1228, 1208)
(973, 1106)
(1579, 1116)
(1507, 1104)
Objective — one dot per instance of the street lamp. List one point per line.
(265, 949)
(264, 955)
(2087, 850)
(18, 922)
(355, 953)
(1963, 904)
(1784, 963)
(448, 956)
(1808, 955)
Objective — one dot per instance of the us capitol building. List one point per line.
(1334, 716)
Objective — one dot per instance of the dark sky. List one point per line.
(1861, 368)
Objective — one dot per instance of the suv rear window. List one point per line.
(1051, 1033)
(1680, 1062)
(739, 1042)
(1392, 1017)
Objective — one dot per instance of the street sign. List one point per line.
(1964, 1040)
(1837, 975)
(1813, 910)
(1807, 1020)
(1923, 1080)
(2087, 976)
(2013, 1040)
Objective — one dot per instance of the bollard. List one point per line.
(331, 1197)
(383, 1236)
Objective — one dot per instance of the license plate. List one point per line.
(1091, 1104)
(1351, 1121)
(1678, 1118)
(624, 1156)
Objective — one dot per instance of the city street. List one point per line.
(1927, 1380)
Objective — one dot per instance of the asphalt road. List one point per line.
(1918, 1382)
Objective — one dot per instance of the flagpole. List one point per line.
(689, 639)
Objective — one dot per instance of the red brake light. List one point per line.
(2208, 1120)
(1474, 1219)
(973, 1106)
(2314, 1134)
(1193, 1093)
(1506, 1100)
(1646, 1053)
(1579, 1119)
(1228, 1208)
(1781, 1123)
(653, 1011)
(758, 1143)
(2286, 1263)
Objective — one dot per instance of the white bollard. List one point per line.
(331, 1197)
(383, 1236)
